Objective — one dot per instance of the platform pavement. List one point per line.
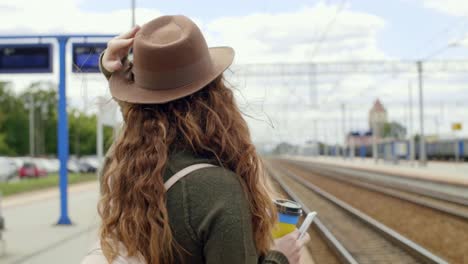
(33, 238)
(31, 234)
(445, 172)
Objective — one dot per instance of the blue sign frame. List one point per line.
(85, 56)
(62, 124)
(22, 66)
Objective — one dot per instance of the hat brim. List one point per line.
(126, 91)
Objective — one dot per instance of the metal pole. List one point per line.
(317, 152)
(2, 228)
(100, 137)
(77, 152)
(325, 138)
(133, 13)
(352, 143)
(410, 125)
(375, 155)
(337, 146)
(31, 125)
(63, 134)
(343, 126)
(315, 130)
(422, 141)
(312, 87)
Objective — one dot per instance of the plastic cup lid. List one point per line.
(288, 207)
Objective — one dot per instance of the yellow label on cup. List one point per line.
(282, 229)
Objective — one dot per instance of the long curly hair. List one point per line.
(133, 202)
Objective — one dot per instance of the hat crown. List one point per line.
(166, 34)
(169, 44)
(171, 60)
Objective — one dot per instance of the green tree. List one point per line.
(82, 133)
(13, 122)
(394, 130)
(4, 149)
(42, 96)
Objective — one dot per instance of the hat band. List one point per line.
(178, 77)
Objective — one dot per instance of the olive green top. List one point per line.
(209, 214)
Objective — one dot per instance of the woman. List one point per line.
(178, 112)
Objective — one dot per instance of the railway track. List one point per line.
(362, 239)
(448, 204)
(435, 188)
(329, 249)
(443, 233)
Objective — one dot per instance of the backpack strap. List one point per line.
(184, 172)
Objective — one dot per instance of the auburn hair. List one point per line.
(133, 201)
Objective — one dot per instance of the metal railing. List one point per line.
(2, 228)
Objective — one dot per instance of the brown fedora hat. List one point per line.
(170, 60)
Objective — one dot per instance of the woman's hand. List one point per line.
(291, 246)
(117, 49)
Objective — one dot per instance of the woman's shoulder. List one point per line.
(213, 179)
(209, 177)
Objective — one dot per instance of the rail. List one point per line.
(417, 196)
(409, 246)
(340, 251)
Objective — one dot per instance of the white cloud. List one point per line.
(257, 38)
(64, 16)
(450, 7)
(297, 36)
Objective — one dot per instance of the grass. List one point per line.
(32, 184)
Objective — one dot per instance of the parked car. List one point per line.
(86, 168)
(32, 169)
(55, 164)
(89, 164)
(19, 161)
(73, 166)
(50, 165)
(7, 169)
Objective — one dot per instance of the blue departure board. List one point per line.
(26, 58)
(86, 56)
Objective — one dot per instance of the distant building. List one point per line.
(377, 118)
(359, 138)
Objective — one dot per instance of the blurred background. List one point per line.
(356, 79)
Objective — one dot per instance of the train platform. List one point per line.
(31, 234)
(443, 172)
(32, 237)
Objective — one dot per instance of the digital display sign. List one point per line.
(26, 58)
(86, 56)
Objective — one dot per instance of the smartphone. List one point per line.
(306, 224)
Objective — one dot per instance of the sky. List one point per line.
(284, 32)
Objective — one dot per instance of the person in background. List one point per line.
(178, 111)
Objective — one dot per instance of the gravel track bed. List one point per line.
(441, 233)
(317, 246)
(364, 243)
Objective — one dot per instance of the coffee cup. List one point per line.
(288, 216)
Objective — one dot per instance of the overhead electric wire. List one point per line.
(451, 44)
(461, 22)
(328, 28)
